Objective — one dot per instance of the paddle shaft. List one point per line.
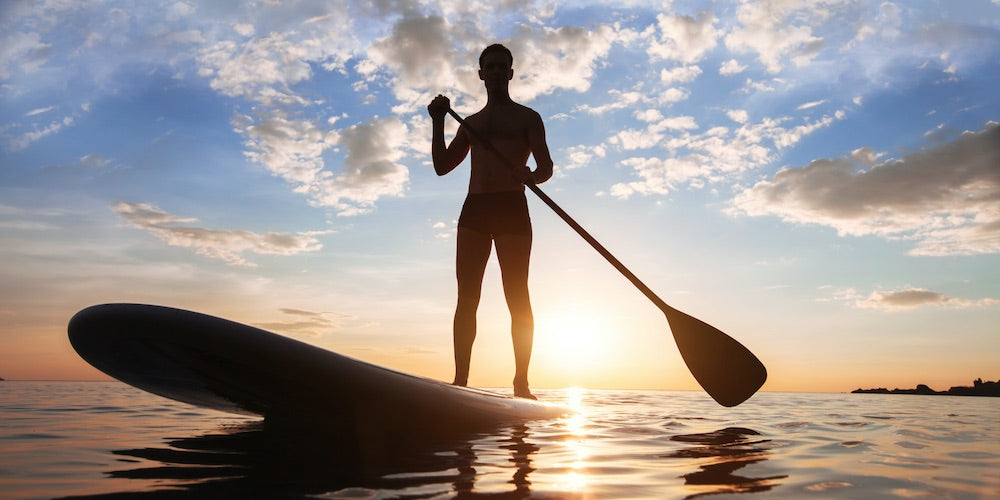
(572, 223)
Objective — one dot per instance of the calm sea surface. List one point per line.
(92, 438)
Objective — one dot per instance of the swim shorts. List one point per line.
(504, 212)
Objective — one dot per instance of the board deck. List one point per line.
(223, 365)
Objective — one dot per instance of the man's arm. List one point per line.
(445, 158)
(539, 149)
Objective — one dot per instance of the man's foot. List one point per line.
(521, 391)
(526, 394)
(460, 383)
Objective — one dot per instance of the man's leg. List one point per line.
(513, 252)
(470, 262)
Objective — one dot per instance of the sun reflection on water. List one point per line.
(575, 478)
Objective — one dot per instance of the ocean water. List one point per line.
(62, 439)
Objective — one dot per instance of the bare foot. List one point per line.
(522, 391)
(525, 395)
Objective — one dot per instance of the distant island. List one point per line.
(979, 388)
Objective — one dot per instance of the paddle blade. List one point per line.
(728, 372)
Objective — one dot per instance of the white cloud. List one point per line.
(294, 151)
(738, 115)
(812, 104)
(582, 155)
(264, 69)
(423, 56)
(20, 51)
(225, 245)
(26, 139)
(621, 100)
(731, 67)
(38, 111)
(683, 38)
(946, 199)
(778, 31)
(712, 156)
(658, 175)
(680, 74)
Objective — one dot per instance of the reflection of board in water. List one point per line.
(223, 365)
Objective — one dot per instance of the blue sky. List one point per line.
(818, 179)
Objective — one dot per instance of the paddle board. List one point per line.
(223, 365)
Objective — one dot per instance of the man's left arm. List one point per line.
(539, 149)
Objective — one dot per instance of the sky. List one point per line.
(818, 179)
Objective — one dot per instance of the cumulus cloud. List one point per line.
(683, 38)
(371, 171)
(731, 67)
(225, 245)
(264, 69)
(712, 156)
(581, 155)
(423, 55)
(777, 31)
(946, 199)
(620, 100)
(294, 150)
(680, 74)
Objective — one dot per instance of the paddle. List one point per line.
(728, 372)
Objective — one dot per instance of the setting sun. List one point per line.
(576, 339)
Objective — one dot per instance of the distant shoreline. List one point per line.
(979, 388)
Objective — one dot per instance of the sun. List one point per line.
(574, 338)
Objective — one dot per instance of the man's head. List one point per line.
(496, 48)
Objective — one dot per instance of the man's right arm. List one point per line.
(445, 158)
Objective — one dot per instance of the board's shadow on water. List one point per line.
(258, 460)
(727, 450)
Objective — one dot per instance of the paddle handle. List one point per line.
(569, 220)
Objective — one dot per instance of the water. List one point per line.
(88, 438)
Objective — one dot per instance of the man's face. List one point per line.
(495, 69)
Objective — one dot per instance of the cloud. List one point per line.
(683, 38)
(372, 169)
(426, 55)
(24, 140)
(777, 30)
(310, 323)
(24, 52)
(225, 245)
(264, 69)
(946, 199)
(581, 155)
(812, 104)
(712, 156)
(294, 151)
(680, 74)
(731, 67)
(911, 298)
(38, 111)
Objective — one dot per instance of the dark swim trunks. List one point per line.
(504, 212)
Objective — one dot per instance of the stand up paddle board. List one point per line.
(223, 365)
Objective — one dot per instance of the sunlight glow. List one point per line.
(577, 339)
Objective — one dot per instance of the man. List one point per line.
(496, 210)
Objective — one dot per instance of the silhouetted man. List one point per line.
(495, 211)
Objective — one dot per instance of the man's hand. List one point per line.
(439, 107)
(524, 175)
